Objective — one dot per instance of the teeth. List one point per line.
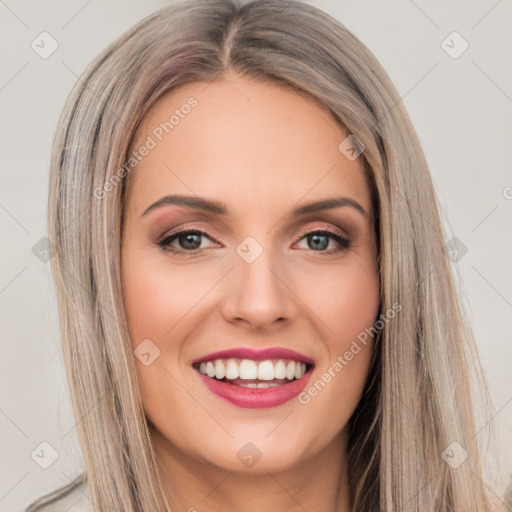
(300, 370)
(265, 370)
(232, 371)
(220, 369)
(280, 370)
(210, 369)
(290, 370)
(247, 369)
(260, 385)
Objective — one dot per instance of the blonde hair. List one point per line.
(417, 398)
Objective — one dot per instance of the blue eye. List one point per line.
(320, 241)
(189, 241)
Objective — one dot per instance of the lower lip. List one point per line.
(254, 398)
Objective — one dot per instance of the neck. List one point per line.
(316, 482)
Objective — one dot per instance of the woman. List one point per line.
(257, 311)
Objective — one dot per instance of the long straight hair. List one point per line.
(416, 402)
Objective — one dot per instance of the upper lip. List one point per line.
(256, 355)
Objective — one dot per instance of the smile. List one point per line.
(255, 382)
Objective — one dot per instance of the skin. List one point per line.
(263, 150)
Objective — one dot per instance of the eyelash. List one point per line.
(164, 242)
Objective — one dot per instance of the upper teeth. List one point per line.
(249, 369)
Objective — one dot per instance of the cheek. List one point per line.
(153, 306)
(347, 303)
(155, 299)
(356, 305)
(358, 301)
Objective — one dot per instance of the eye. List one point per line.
(318, 241)
(189, 242)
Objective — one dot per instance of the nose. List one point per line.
(258, 294)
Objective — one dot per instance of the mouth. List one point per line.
(254, 374)
(257, 381)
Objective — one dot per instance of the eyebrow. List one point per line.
(218, 208)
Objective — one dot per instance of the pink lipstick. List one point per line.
(251, 378)
(257, 355)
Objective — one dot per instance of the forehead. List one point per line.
(244, 141)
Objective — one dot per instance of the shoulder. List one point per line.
(73, 497)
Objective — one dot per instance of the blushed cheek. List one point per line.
(347, 303)
(351, 315)
(152, 309)
(157, 299)
(361, 307)
(146, 300)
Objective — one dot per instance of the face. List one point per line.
(239, 262)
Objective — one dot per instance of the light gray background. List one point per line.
(460, 107)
